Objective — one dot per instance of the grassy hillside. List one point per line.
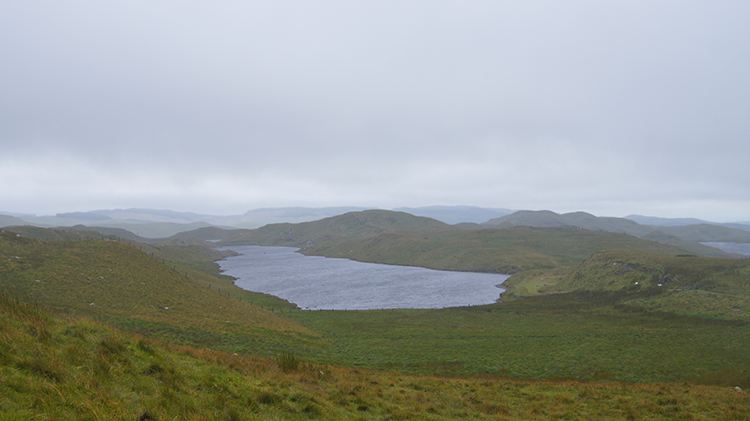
(350, 225)
(124, 286)
(75, 369)
(606, 329)
(687, 237)
(206, 233)
(574, 219)
(187, 254)
(699, 286)
(488, 250)
(617, 269)
(71, 234)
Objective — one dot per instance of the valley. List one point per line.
(586, 312)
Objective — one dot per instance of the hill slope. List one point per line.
(349, 225)
(76, 233)
(688, 237)
(7, 221)
(708, 287)
(575, 219)
(76, 369)
(487, 250)
(122, 285)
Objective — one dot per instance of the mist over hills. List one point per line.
(8, 220)
(670, 222)
(152, 223)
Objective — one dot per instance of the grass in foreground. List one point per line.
(587, 335)
(77, 369)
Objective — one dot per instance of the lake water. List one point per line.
(314, 282)
(738, 248)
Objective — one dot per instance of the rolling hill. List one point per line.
(697, 286)
(507, 250)
(671, 222)
(7, 221)
(126, 287)
(349, 225)
(681, 236)
(678, 323)
(576, 219)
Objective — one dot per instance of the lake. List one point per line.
(314, 282)
(737, 248)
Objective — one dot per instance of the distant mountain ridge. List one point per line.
(671, 222)
(151, 223)
(7, 221)
(585, 220)
(688, 236)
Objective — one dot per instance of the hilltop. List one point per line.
(457, 214)
(349, 225)
(688, 237)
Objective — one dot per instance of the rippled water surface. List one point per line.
(314, 282)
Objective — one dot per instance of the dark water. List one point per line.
(738, 248)
(314, 282)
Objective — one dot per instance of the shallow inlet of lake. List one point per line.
(315, 283)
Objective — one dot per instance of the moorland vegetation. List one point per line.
(594, 324)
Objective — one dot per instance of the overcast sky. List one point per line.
(609, 107)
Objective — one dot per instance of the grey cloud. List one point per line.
(502, 104)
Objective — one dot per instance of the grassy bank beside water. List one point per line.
(76, 369)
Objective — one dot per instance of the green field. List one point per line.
(583, 336)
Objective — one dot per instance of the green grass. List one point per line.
(132, 288)
(583, 335)
(78, 369)
(599, 326)
(490, 250)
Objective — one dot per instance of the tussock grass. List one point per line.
(86, 370)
